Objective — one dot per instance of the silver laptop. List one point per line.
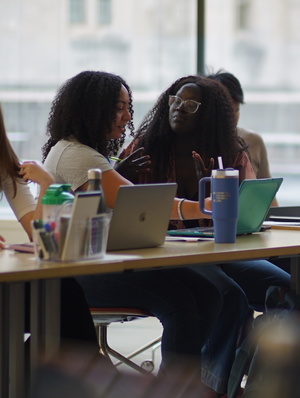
(141, 216)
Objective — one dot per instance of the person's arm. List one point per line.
(32, 171)
(111, 181)
(2, 242)
(189, 209)
(25, 222)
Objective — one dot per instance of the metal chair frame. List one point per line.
(103, 317)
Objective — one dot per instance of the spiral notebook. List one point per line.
(255, 199)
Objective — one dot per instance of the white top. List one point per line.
(69, 162)
(23, 202)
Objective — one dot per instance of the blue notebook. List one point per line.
(255, 199)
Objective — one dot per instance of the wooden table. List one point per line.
(16, 269)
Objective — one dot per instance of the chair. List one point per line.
(103, 317)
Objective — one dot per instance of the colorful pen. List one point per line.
(115, 159)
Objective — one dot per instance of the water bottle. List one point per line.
(97, 237)
(56, 207)
(56, 197)
(225, 194)
(94, 185)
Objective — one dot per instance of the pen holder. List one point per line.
(72, 241)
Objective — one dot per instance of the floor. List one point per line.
(128, 337)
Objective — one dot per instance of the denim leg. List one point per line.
(219, 351)
(254, 277)
(187, 305)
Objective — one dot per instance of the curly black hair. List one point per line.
(217, 134)
(84, 108)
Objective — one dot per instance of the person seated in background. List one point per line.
(192, 121)
(256, 145)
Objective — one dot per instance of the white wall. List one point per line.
(12, 231)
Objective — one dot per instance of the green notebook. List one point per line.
(255, 199)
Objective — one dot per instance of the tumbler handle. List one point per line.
(202, 195)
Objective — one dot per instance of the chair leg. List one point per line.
(156, 347)
(153, 343)
(106, 350)
(102, 339)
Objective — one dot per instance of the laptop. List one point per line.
(141, 216)
(285, 214)
(255, 199)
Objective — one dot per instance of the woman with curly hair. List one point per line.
(189, 127)
(174, 129)
(86, 125)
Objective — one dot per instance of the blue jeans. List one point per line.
(241, 283)
(219, 351)
(187, 304)
(254, 277)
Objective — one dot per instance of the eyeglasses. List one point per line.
(190, 106)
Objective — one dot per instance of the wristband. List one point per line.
(179, 209)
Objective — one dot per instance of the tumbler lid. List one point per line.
(222, 173)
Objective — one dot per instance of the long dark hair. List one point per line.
(9, 162)
(217, 135)
(84, 108)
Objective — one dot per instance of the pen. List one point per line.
(115, 159)
(37, 224)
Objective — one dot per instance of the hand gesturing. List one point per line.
(201, 170)
(133, 165)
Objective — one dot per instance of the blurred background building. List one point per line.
(151, 43)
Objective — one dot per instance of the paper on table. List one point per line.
(282, 224)
(21, 247)
(186, 239)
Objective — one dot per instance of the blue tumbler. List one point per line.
(225, 193)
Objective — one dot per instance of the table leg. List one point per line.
(44, 320)
(12, 380)
(16, 340)
(295, 274)
(51, 317)
(4, 356)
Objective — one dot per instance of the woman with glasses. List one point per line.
(189, 127)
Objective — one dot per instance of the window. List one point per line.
(243, 17)
(151, 43)
(104, 12)
(259, 42)
(77, 15)
(148, 42)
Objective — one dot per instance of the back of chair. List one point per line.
(109, 315)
